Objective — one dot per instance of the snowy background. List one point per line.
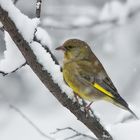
(115, 43)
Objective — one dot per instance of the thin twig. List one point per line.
(38, 8)
(2, 29)
(15, 1)
(30, 122)
(7, 73)
(126, 118)
(134, 12)
(38, 12)
(73, 136)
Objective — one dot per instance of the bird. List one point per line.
(85, 75)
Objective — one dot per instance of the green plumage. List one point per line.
(82, 69)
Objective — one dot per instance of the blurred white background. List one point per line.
(115, 43)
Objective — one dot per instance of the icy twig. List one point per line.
(38, 13)
(15, 1)
(2, 29)
(38, 8)
(30, 122)
(7, 73)
(77, 134)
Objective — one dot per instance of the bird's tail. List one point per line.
(120, 102)
(124, 105)
(132, 113)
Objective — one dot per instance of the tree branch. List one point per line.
(92, 122)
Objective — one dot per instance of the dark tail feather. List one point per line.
(136, 117)
(122, 103)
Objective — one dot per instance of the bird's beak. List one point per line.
(61, 48)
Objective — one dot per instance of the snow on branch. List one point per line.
(43, 65)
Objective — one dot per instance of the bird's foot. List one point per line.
(87, 108)
(76, 97)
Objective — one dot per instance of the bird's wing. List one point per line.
(107, 84)
(104, 84)
(100, 85)
(97, 76)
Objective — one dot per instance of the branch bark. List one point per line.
(92, 122)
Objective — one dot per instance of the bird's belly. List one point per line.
(84, 90)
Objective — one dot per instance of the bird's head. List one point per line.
(75, 49)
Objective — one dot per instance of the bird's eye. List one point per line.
(70, 47)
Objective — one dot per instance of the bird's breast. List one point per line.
(77, 83)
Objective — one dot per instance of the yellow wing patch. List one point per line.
(97, 86)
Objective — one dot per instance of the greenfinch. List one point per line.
(84, 73)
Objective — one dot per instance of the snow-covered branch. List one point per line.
(43, 64)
